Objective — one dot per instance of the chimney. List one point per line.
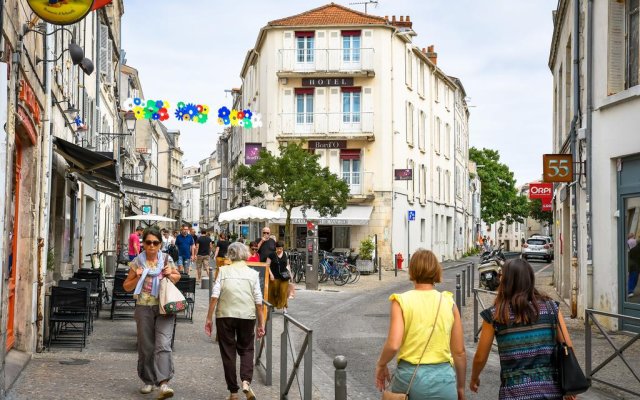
(393, 19)
(401, 18)
(431, 54)
(404, 22)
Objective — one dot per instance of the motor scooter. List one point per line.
(490, 269)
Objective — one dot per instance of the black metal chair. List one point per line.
(121, 299)
(96, 290)
(188, 288)
(78, 283)
(69, 316)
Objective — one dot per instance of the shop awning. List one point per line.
(96, 169)
(144, 189)
(352, 215)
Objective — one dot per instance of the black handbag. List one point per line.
(570, 375)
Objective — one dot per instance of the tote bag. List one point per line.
(172, 301)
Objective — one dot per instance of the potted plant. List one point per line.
(364, 263)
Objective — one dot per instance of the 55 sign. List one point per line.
(557, 167)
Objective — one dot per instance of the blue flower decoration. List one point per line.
(137, 101)
(159, 103)
(226, 120)
(223, 112)
(155, 116)
(248, 113)
(191, 109)
(179, 114)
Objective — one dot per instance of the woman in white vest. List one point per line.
(237, 294)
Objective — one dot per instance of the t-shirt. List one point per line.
(278, 265)
(266, 249)
(204, 245)
(223, 245)
(255, 257)
(134, 244)
(184, 243)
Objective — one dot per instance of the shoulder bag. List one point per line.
(171, 299)
(388, 394)
(570, 376)
(285, 274)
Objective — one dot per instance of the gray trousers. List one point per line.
(155, 362)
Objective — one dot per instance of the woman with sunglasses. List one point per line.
(154, 330)
(253, 250)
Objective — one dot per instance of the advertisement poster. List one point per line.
(252, 153)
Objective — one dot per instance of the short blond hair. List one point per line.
(424, 267)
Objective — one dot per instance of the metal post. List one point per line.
(395, 264)
(475, 316)
(375, 246)
(340, 363)
(473, 275)
(308, 368)
(469, 273)
(587, 345)
(464, 285)
(458, 295)
(211, 277)
(269, 366)
(283, 358)
(379, 268)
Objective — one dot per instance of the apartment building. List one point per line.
(210, 172)
(357, 90)
(191, 196)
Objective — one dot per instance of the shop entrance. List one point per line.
(629, 239)
(325, 237)
(13, 259)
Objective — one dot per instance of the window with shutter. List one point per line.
(103, 51)
(633, 67)
(109, 77)
(616, 47)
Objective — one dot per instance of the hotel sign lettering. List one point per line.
(327, 144)
(322, 82)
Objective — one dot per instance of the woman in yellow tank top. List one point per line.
(441, 366)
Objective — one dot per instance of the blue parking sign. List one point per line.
(412, 215)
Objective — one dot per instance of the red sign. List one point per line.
(541, 191)
(27, 97)
(547, 205)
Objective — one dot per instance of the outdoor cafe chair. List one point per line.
(121, 298)
(79, 283)
(69, 316)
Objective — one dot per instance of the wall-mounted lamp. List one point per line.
(76, 52)
(70, 107)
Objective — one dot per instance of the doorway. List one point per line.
(325, 237)
(628, 239)
(13, 258)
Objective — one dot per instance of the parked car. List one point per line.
(538, 246)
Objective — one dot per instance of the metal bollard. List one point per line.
(340, 363)
(395, 265)
(464, 285)
(469, 279)
(475, 316)
(458, 295)
(379, 268)
(473, 275)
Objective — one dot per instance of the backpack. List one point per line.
(172, 250)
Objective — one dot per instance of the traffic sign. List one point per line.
(412, 215)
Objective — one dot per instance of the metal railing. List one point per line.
(265, 345)
(618, 352)
(478, 305)
(346, 123)
(305, 353)
(325, 60)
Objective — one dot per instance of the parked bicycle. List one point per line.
(337, 272)
(97, 262)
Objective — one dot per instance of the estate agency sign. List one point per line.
(540, 191)
(322, 82)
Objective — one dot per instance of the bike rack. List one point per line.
(590, 315)
(305, 352)
(265, 344)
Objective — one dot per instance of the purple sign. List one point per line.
(252, 153)
(403, 174)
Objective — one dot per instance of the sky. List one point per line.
(194, 50)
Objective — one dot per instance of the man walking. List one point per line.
(267, 245)
(186, 249)
(134, 243)
(203, 251)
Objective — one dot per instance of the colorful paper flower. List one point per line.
(127, 105)
(240, 114)
(199, 107)
(241, 122)
(220, 121)
(179, 113)
(203, 118)
(159, 104)
(248, 113)
(181, 104)
(226, 120)
(186, 117)
(138, 112)
(247, 123)
(205, 109)
(256, 121)
(155, 116)
(223, 112)
(165, 104)
(191, 109)
(137, 101)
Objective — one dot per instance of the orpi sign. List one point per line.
(540, 191)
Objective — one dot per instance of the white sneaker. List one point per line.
(630, 295)
(246, 388)
(146, 389)
(284, 310)
(165, 392)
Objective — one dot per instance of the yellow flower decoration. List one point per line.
(186, 117)
(220, 121)
(205, 110)
(139, 112)
(166, 105)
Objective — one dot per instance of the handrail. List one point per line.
(618, 351)
(306, 351)
(477, 302)
(266, 344)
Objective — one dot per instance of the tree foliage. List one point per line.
(500, 198)
(535, 212)
(298, 180)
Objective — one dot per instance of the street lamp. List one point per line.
(130, 121)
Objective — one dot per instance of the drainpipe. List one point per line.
(589, 77)
(574, 152)
(45, 176)
(393, 138)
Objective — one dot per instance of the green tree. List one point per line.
(298, 180)
(500, 199)
(535, 212)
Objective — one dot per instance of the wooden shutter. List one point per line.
(367, 114)
(335, 51)
(322, 160)
(322, 57)
(288, 114)
(109, 77)
(103, 50)
(334, 161)
(320, 110)
(616, 47)
(288, 53)
(335, 108)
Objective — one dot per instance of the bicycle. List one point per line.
(339, 274)
(97, 263)
(354, 274)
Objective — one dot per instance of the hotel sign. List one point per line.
(327, 144)
(322, 82)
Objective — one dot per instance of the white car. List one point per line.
(538, 246)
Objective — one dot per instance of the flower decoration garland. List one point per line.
(151, 109)
(192, 112)
(243, 118)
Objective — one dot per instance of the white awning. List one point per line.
(352, 215)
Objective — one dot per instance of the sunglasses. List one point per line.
(266, 233)
(152, 242)
(254, 248)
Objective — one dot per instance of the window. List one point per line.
(447, 141)
(423, 229)
(436, 144)
(408, 69)
(436, 88)
(421, 130)
(439, 175)
(633, 42)
(304, 106)
(350, 165)
(410, 123)
(421, 78)
(424, 183)
(623, 48)
(351, 104)
(305, 47)
(351, 46)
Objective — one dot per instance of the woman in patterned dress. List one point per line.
(523, 321)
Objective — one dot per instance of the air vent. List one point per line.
(287, 35)
(367, 90)
(367, 33)
(287, 92)
(334, 91)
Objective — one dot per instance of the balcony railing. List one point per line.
(325, 123)
(325, 60)
(360, 183)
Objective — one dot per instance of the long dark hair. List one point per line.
(517, 293)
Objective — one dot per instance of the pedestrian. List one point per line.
(266, 245)
(186, 249)
(134, 243)
(238, 298)
(425, 331)
(253, 251)
(523, 320)
(154, 330)
(280, 276)
(634, 267)
(203, 253)
(221, 251)
(167, 240)
(194, 234)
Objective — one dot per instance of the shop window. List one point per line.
(341, 235)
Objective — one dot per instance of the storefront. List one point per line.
(629, 235)
(339, 232)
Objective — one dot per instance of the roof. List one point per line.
(330, 14)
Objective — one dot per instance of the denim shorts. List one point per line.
(432, 381)
(184, 262)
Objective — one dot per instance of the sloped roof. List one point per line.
(330, 14)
